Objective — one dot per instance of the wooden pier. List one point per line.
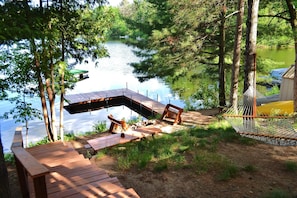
(139, 103)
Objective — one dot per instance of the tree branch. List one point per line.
(278, 15)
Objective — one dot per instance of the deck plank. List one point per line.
(80, 191)
(110, 140)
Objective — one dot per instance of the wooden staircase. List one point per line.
(72, 175)
(57, 170)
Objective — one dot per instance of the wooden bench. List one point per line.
(26, 164)
(173, 112)
(117, 123)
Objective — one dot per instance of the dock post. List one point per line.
(106, 102)
(89, 102)
(152, 110)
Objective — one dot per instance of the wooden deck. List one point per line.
(141, 104)
(67, 173)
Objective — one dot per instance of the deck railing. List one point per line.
(28, 166)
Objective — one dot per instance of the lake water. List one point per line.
(112, 73)
(283, 57)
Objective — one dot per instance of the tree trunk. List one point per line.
(251, 44)
(293, 22)
(41, 91)
(222, 97)
(236, 56)
(4, 182)
(44, 107)
(249, 96)
(51, 98)
(61, 125)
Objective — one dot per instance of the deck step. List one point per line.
(94, 189)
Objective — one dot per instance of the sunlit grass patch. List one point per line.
(195, 148)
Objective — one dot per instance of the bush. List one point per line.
(9, 158)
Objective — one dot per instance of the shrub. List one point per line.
(9, 158)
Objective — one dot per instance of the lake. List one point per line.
(283, 57)
(111, 73)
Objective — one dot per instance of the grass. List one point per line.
(277, 193)
(99, 127)
(291, 166)
(195, 148)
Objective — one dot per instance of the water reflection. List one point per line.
(111, 73)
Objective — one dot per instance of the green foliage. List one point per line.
(9, 158)
(100, 127)
(100, 155)
(39, 41)
(178, 41)
(45, 140)
(205, 161)
(273, 31)
(134, 120)
(69, 137)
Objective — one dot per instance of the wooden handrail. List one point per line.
(27, 165)
(30, 164)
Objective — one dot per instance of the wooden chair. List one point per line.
(173, 112)
(117, 123)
